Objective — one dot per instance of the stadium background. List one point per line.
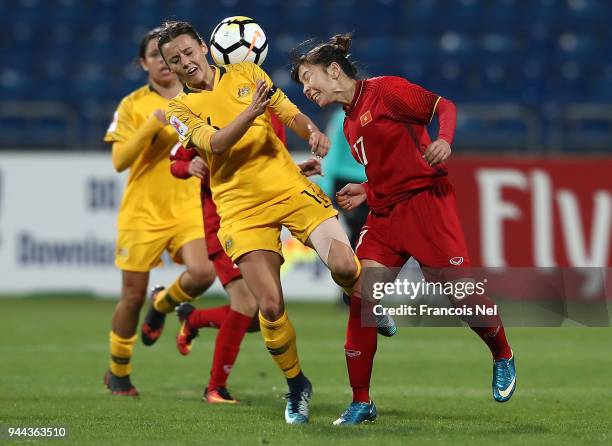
(531, 79)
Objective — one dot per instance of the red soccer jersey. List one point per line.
(385, 128)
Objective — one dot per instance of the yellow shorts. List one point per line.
(141, 250)
(301, 213)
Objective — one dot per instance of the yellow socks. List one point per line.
(121, 353)
(279, 337)
(347, 285)
(167, 299)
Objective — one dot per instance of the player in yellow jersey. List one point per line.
(256, 185)
(158, 213)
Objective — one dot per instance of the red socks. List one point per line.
(227, 347)
(489, 328)
(495, 338)
(208, 317)
(360, 348)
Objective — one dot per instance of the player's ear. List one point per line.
(333, 70)
(204, 48)
(143, 64)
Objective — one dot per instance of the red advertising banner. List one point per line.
(535, 211)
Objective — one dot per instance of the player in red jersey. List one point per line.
(412, 204)
(233, 320)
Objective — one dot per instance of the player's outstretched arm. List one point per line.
(124, 153)
(303, 126)
(229, 135)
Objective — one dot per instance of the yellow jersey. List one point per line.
(153, 199)
(258, 170)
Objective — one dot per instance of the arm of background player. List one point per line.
(126, 152)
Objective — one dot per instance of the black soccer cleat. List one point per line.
(119, 385)
(153, 324)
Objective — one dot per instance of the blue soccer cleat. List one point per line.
(297, 410)
(385, 325)
(357, 413)
(504, 379)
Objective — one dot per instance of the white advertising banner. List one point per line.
(58, 228)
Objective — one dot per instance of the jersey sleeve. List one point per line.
(192, 130)
(408, 102)
(279, 102)
(122, 126)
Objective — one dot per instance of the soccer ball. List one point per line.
(238, 39)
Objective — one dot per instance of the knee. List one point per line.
(203, 274)
(132, 298)
(248, 307)
(271, 306)
(344, 264)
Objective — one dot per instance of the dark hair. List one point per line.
(150, 35)
(334, 50)
(172, 29)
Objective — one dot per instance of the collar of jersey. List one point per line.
(356, 96)
(219, 72)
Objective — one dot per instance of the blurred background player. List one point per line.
(157, 213)
(256, 186)
(232, 320)
(413, 209)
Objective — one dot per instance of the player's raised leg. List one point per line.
(197, 278)
(261, 270)
(123, 333)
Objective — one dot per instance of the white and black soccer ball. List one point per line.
(238, 39)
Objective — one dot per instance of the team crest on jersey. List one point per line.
(243, 91)
(180, 127)
(456, 261)
(365, 119)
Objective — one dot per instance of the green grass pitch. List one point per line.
(431, 385)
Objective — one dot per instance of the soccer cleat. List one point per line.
(385, 325)
(119, 385)
(357, 413)
(186, 334)
(220, 395)
(504, 379)
(153, 323)
(297, 410)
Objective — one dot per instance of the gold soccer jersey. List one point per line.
(258, 170)
(153, 198)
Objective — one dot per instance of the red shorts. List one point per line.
(425, 227)
(225, 268)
